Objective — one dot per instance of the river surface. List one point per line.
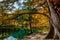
(34, 36)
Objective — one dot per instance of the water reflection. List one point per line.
(10, 38)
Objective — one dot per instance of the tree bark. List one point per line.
(55, 22)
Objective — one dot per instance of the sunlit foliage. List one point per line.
(29, 18)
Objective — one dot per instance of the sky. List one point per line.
(20, 5)
(17, 6)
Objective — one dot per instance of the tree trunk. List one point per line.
(55, 22)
